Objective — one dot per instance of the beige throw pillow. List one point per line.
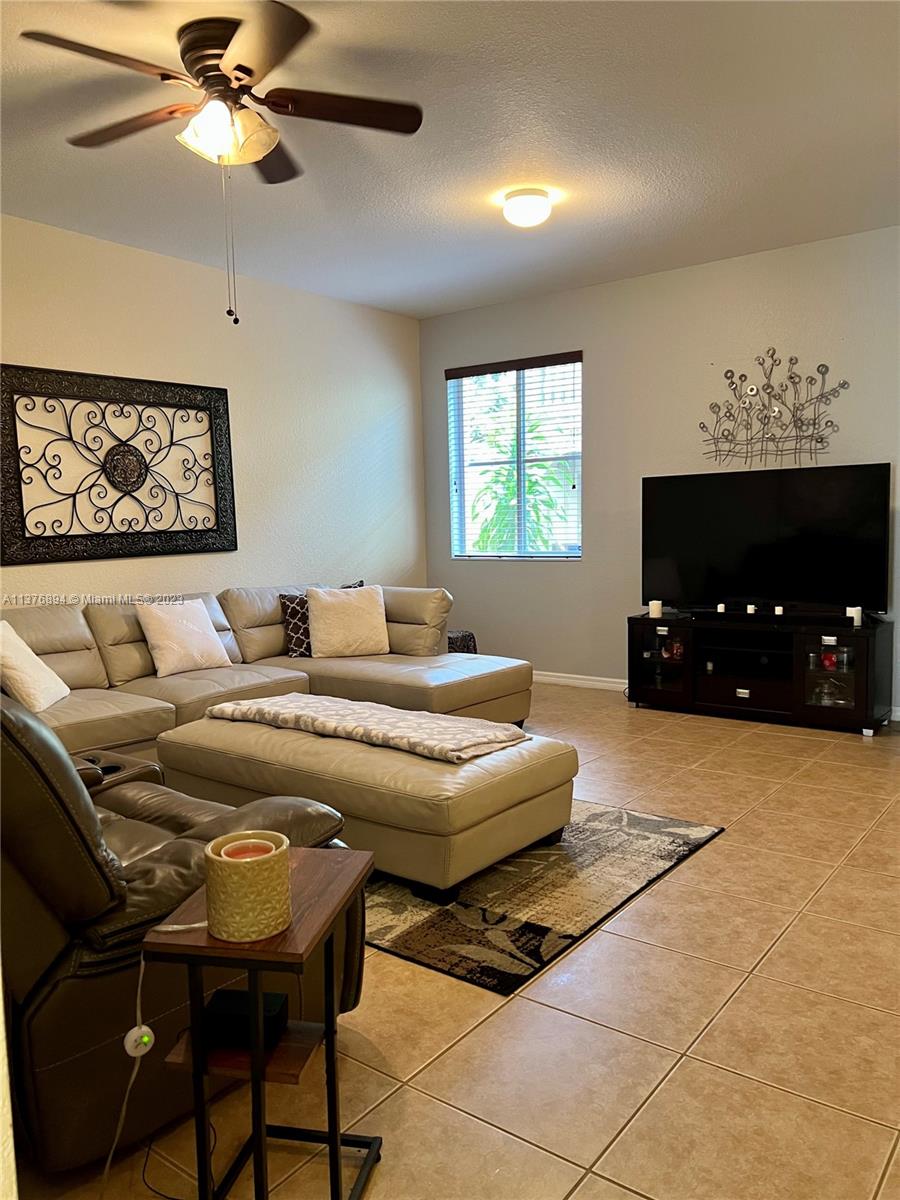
(181, 637)
(26, 677)
(344, 622)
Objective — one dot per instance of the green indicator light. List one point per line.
(145, 1040)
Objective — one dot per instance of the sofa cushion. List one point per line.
(255, 616)
(123, 647)
(390, 787)
(295, 618)
(89, 718)
(60, 635)
(441, 683)
(417, 620)
(193, 692)
(25, 676)
(347, 622)
(181, 637)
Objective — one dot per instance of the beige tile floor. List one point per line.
(732, 1034)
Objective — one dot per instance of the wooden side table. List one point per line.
(323, 884)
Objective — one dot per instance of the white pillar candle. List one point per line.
(751, 608)
(779, 610)
(856, 614)
(720, 608)
(656, 609)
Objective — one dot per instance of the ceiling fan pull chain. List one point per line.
(229, 311)
(236, 319)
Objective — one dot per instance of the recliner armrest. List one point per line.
(89, 773)
(160, 881)
(304, 822)
(145, 800)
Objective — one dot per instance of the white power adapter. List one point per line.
(138, 1041)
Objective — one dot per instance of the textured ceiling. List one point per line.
(680, 132)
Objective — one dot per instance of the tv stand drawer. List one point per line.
(769, 695)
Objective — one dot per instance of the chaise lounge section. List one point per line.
(419, 674)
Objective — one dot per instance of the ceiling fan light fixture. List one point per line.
(527, 207)
(253, 135)
(210, 133)
(233, 138)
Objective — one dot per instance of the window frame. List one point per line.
(455, 454)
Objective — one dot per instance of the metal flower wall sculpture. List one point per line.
(773, 423)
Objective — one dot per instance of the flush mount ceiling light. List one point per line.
(527, 207)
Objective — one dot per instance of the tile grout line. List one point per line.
(573, 1190)
(780, 1087)
(518, 1137)
(684, 1055)
(805, 911)
(625, 1187)
(637, 1036)
(889, 1012)
(879, 1186)
(749, 900)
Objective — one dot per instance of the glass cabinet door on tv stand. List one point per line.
(833, 673)
(661, 657)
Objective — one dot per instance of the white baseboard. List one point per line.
(895, 714)
(584, 681)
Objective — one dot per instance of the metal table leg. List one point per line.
(258, 1088)
(198, 1074)
(332, 1094)
(256, 1143)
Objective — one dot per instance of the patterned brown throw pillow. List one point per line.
(295, 615)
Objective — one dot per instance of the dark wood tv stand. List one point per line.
(797, 669)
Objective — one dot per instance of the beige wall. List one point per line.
(9, 1188)
(323, 403)
(655, 349)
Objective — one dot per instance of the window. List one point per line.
(515, 458)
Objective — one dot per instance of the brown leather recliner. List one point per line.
(82, 881)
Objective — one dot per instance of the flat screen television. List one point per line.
(798, 535)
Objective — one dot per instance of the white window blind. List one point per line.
(515, 458)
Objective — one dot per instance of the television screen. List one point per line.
(797, 535)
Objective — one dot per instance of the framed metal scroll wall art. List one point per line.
(93, 466)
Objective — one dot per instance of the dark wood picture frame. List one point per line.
(121, 470)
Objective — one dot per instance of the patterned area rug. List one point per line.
(513, 919)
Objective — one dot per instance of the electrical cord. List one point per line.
(104, 1181)
(165, 1195)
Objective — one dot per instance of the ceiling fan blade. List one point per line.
(112, 133)
(119, 60)
(278, 166)
(346, 110)
(261, 43)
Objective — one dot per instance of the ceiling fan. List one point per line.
(224, 60)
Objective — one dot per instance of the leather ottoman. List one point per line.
(432, 822)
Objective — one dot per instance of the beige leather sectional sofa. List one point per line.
(118, 701)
